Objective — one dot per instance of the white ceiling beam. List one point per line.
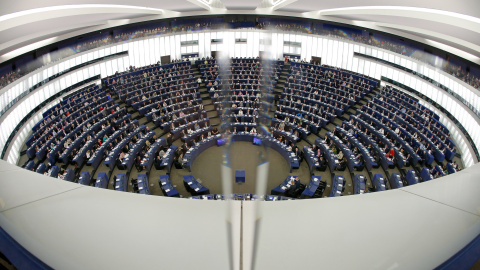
(211, 5)
(34, 37)
(435, 38)
(39, 14)
(434, 15)
(433, 34)
(272, 5)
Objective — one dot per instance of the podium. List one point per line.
(239, 176)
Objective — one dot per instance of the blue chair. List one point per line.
(142, 183)
(359, 184)
(313, 186)
(54, 171)
(379, 182)
(30, 165)
(450, 168)
(338, 186)
(412, 177)
(425, 174)
(41, 168)
(395, 181)
(439, 169)
(121, 182)
(84, 178)
(167, 187)
(429, 159)
(239, 176)
(102, 180)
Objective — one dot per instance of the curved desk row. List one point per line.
(196, 150)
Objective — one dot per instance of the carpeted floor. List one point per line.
(243, 155)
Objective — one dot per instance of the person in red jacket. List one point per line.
(390, 153)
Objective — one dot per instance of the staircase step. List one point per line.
(214, 121)
(211, 114)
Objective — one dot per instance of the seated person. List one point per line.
(121, 157)
(178, 161)
(340, 155)
(445, 169)
(390, 154)
(322, 164)
(297, 152)
(169, 139)
(138, 161)
(295, 188)
(62, 173)
(342, 165)
(360, 162)
(455, 166)
(184, 148)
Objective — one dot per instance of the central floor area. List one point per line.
(243, 156)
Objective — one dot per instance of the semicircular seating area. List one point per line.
(142, 131)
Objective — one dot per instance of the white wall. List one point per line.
(415, 227)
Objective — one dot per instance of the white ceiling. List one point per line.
(453, 26)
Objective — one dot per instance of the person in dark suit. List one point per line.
(377, 160)
(360, 164)
(295, 188)
(298, 153)
(169, 139)
(138, 161)
(178, 159)
(322, 164)
(184, 148)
